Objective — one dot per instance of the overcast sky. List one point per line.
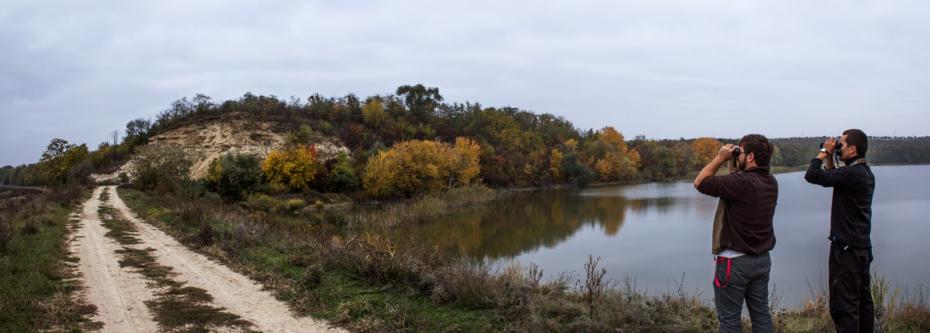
(663, 69)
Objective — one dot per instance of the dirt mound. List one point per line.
(206, 140)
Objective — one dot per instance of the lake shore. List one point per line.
(358, 282)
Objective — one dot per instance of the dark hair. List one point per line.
(759, 147)
(856, 137)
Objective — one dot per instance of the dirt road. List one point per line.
(120, 293)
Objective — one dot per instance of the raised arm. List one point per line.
(723, 155)
(815, 172)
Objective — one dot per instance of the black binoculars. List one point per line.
(839, 145)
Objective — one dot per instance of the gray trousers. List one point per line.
(742, 279)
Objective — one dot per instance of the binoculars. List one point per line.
(839, 145)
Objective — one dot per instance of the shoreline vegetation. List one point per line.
(369, 283)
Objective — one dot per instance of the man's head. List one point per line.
(853, 144)
(755, 151)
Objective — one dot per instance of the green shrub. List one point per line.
(261, 202)
(161, 167)
(340, 176)
(234, 176)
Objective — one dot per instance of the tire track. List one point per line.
(235, 292)
(119, 295)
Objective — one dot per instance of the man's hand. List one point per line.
(830, 145)
(711, 168)
(726, 152)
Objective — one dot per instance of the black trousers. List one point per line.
(850, 289)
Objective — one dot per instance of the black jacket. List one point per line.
(851, 212)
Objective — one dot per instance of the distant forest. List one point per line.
(515, 148)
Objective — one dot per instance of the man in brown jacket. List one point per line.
(743, 266)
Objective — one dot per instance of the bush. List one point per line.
(291, 169)
(412, 168)
(234, 176)
(261, 202)
(341, 175)
(161, 167)
(191, 189)
(294, 205)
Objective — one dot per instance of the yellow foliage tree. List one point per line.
(555, 164)
(291, 169)
(373, 112)
(604, 169)
(704, 149)
(416, 167)
(571, 145)
(467, 154)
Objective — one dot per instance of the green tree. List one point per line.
(234, 176)
(304, 135)
(137, 133)
(341, 176)
(420, 100)
(60, 158)
(56, 149)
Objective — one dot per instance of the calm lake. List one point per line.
(658, 234)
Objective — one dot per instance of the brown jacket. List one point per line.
(751, 198)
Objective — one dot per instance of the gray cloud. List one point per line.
(664, 69)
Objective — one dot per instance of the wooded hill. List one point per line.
(511, 147)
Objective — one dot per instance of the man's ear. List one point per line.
(750, 157)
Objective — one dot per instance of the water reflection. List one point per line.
(656, 232)
(526, 223)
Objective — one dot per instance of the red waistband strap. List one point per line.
(729, 267)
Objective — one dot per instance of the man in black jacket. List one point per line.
(850, 228)
(747, 236)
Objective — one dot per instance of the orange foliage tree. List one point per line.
(703, 150)
(611, 158)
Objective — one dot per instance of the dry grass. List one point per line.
(423, 208)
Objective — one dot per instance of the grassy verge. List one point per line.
(38, 286)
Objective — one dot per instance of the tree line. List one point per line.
(411, 142)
